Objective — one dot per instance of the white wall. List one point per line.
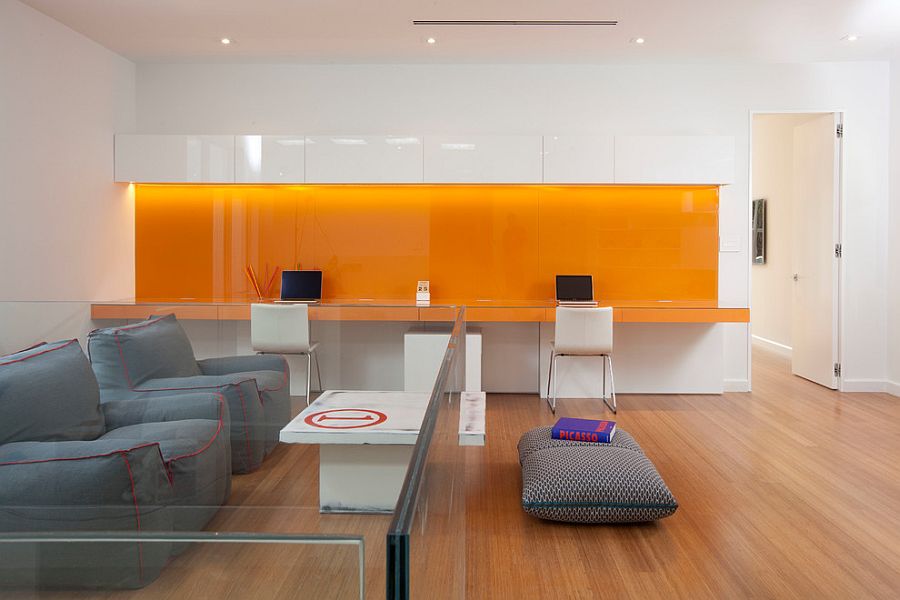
(695, 99)
(893, 336)
(773, 157)
(66, 230)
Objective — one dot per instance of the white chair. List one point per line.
(582, 331)
(284, 329)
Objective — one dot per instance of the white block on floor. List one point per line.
(423, 351)
(472, 407)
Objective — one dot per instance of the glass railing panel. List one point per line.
(276, 493)
(117, 565)
(426, 543)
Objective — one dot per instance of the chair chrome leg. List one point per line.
(555, 385)
(550, 375)
(612, 387)
(603, 393)
(318, 373)
(308, 375)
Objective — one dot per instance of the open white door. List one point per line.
(816, 235)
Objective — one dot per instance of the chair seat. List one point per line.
(197, 458)
(265, 380)
(176, 438)
(286, 349)
(578, 353)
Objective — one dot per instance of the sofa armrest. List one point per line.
(190, 405)
(243, 364)
(93, 486)
(65, 483)
(245, 409)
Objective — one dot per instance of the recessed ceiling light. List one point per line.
(431, 40)
(225, 41)
(637, 40)
(850, 37)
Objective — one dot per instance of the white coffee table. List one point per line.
(365, 445)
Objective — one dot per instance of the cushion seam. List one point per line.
(24, 358)
(137, 517)
(65, 458)
(597, 505)
(211, 440)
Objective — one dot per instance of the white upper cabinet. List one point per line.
(269, 159)
(578, 159)
(561, 159)
(674, 159)
(483, 159)
(364, 159)
(175, 158)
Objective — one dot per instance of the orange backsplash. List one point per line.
(471, 241)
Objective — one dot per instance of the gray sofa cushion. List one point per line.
(48, 393)
(594, 484)
(272, 376)
(198, 458)
(125, 357)
(83, 486)
(540, 438)
(142, 361)
(248, 430)
(159, 409)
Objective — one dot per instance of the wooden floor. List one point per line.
(792, 491)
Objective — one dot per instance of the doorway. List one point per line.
(795, 240)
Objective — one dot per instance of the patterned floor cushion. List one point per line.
(594, 484)
(539, 438)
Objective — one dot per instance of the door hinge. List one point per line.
(837, 369)
(839, 131)
(838, 251)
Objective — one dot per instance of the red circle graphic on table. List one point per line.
(336, 418)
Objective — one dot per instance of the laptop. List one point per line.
(575, 290)
(301, 287)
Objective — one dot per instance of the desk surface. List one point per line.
(371, 309)
(359, 417)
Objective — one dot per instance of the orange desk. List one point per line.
(478, 311)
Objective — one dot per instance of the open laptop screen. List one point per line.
(574, 288)
(301, 285)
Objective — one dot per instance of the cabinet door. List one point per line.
(269, 159)
(674, 159)
(363, 159)
(174, 158)
(483, 159)
(578, 159)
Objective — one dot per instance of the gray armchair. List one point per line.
(68, 464)
(154, 358)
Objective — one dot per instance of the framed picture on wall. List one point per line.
(759, 231)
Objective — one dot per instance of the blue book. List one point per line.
(583, 430)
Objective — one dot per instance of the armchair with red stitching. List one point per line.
(154, 358)
(70, 464)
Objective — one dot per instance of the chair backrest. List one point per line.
(49, 393)
(279, 328)
(584, 330)
(127, 356)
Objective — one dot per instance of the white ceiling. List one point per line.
(381, 31)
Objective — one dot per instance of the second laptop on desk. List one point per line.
(575, 290)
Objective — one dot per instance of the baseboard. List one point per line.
(864, 385)
(773, 346)
(892, 387)
(736, 385)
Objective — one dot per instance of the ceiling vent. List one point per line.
(541, 23)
